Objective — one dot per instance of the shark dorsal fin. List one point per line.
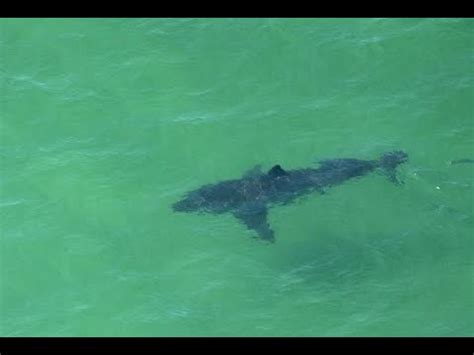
(277, 171)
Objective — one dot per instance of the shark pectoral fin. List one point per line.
(255, 217)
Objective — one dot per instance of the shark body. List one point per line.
(249, 197)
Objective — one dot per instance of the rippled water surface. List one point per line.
(104, 123)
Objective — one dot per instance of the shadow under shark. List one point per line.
(249, 197)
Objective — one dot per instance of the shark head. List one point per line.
(192, 202)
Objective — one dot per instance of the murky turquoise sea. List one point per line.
(104, 123)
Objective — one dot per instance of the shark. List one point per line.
(249, 197)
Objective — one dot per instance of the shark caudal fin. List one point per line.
(388, 164)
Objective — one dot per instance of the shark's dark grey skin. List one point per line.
(249, 197)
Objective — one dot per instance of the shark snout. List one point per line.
(188, 204)
(180, 206)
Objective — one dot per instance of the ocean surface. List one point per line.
(105, 123)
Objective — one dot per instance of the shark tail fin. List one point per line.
(391, 175)
(388, 164)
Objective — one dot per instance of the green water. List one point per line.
(107, 122)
